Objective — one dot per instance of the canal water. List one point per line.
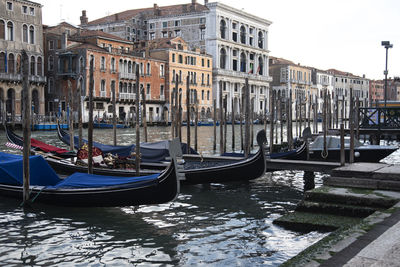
(217, 224)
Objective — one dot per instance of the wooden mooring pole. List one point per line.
(342, 152)
(233, 125)
(137, 102)
(26, 94)
(144, 115)
(351, 125)
(247, 119)
(215, 124)
(90, 122)
(80, 124)
(271, 122)
(221, 124)
(188, 114)
(71, 119)
(114, 115)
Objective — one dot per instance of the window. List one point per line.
(148, 69)
(9, 6)
(208, 63)
(177, 33)
(243, 35)
(152, 36)
(31, 34)
(51, 63)
(234, 36)
(151, 26)
(51, 45)
(162, 70)
(112, 66)
(208, 79)
(148, 89)
(234, 25)
(81, 64)
(202, 62)
(260, 40)
(103, 63)
(243, 62)
(24, 9)
(32, 68)
(39, 67)
(103, 88)
(260, 66)
(223, 29)
(2, 30)
(202, 79)
(2, 62)
(208, 95)
(173, 57)
(180, 59)
(165, 24)
(222, 62)
(177, 23)
(10, 31)
(11, 63)
(50, 87)
(202, 34)
(161, 90)
(202, 94)
(32, 11)
(202, 20)
(24, 33)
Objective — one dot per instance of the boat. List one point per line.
(16, 141)
(362, 152)
(196, 170)
(103, 125)
(48, 126)
(242, 170)
(85, 190)
(150, 152)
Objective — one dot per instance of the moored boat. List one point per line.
(85, 190)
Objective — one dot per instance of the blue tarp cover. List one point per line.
(150, 152)
(41, 174)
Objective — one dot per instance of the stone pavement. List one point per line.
(378, 247)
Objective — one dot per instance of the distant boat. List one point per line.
(48, 126)
(103, 125)
(362, 152)
(85, 190)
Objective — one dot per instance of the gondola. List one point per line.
(150, 152)
(243, 170)
(85, 190)
(215, 170)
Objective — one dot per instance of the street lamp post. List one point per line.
(387, 45)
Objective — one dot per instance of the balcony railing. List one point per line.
(127, 76)
(18, 78)
(242, 75)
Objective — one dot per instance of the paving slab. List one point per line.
(358, 169)
(390, 172)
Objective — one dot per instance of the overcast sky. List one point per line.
(341, 34)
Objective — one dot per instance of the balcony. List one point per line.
(127, 76)
(18, 78)
(242, 75)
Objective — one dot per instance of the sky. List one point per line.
(340, 34)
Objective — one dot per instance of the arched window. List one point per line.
(33, 63)
(223, 29)
(19, 68)
(51, 63)
(103, 63)
(222, 60)
(148, 69)
(10, 31)
(260, 66)
(2, 30)
(243, 34)
(243, 62)
(2, 62)
(50, 86)
(112, 64)
(260, 40)
(208, 95)
(11, 63)
(24, 33)
(31, 34)
(39, 67)
(129, 67)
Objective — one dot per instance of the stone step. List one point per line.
(379, 171)
(375, 184)
(353, 196)
(309, 221)
(335, 209)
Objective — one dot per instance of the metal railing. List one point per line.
(380, 118)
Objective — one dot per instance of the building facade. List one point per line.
(183, 65)
(376, 90)
(115, 63)
(237, 42)
(20, 29)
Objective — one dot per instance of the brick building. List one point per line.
(185, 64)
(114, 67)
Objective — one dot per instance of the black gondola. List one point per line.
(216, 170)
(86, 190)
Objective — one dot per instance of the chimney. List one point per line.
(84, 19)
(205, 2)
(64, 41)
(193, 2)
(155, 6)
(157, 11)
(116, 17)
(193, 6)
